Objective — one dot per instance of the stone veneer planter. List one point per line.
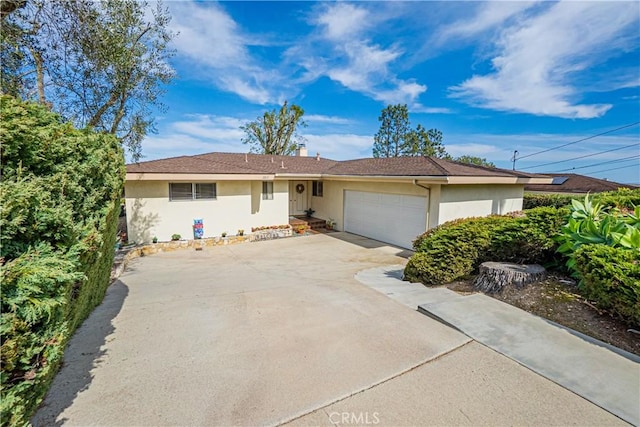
(154, 248)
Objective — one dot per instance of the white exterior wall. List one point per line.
(464, 201)
(239, 205)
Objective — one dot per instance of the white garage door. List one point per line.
(390, 218)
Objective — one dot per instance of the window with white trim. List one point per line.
(267, 190)
(192, 191)
(318, 188)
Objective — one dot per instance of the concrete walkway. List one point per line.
(587, 367)
(280, 332)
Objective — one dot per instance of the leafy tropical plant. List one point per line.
(591, 223)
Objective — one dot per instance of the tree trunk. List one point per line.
(496, 275)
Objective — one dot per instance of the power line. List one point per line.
(624, 159)
(580, 140)
(612, 169)
(583, 157)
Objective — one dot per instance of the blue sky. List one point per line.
(492, 76)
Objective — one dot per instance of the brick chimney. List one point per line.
(301, 151)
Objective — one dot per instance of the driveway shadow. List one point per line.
(368, 243)
(83, 353)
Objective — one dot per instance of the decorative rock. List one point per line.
(496, 275)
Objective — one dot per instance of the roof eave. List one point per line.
(498, 180)
(163, 176)
(388, 178)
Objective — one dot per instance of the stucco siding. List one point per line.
(331, 205)
(463, 201)
(238, 205)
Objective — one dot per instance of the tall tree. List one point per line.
(422, 142)
(396, 138)
(394, 128)
(276, 132)
(474, 160)
(100, 64)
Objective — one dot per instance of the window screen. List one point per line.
(205, 191)
(317, 188)
(191, 191)
(180, 191)
(267, 190)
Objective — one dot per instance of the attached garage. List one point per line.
(392, 218)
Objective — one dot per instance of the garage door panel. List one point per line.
(413, 202)
(391, 218)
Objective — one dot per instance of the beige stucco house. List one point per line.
(389, 199)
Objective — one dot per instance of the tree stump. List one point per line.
(496, 275)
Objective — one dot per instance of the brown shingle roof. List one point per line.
(412, 166)
(232, 163)
(575, 183)
(241, 163)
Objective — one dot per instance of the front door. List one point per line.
(298, 200)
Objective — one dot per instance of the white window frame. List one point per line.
(194, 192)
(267, 190)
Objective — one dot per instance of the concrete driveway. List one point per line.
(280, 331)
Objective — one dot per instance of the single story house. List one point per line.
(389, 199)
(574, 184)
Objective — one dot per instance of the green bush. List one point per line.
(456, 249)
(536, 200)
(624, 198)
(60, 197)
(611, 278)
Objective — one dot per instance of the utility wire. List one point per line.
(580, 140)
(583, 157)
(624, 159)
(612, 169)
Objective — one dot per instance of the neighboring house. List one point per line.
(388, 199)
(571, 183)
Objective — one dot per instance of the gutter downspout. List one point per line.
(415, 182)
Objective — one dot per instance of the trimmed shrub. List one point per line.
(455, 249)
(60, 197)
(535, 200)
(624, 198)
(611, 278)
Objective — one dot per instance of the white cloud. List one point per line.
(202, 133)
(487, 151)
(208, 34)
(217, 49)
(342, 50)
(340, 146)
(339, 46)
(343, 20)
(319, 118)
(490, 15)
(499, 148)
(215, 128)
(417, 108)
(539, 57)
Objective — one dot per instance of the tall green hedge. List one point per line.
(611, 277)
(624, 198)
(59, 194)
(456, 249)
